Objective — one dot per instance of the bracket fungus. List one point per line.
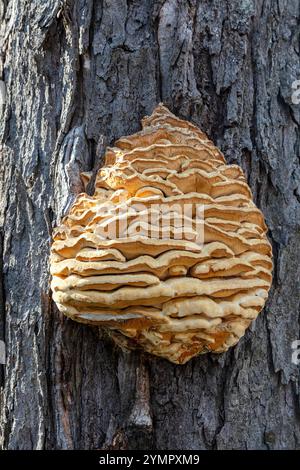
(137, 259)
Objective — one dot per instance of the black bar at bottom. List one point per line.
(137, 459)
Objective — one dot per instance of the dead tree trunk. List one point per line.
(77, 75)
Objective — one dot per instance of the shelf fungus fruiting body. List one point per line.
(170, 254)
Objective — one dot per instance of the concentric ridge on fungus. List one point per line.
(172, 297)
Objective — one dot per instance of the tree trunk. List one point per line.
(77, 75)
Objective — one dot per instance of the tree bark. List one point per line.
(77, 75)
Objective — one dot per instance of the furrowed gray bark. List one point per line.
(80, 72)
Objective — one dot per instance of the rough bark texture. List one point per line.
(78, 74)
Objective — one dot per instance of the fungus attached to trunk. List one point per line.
(138, 259)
